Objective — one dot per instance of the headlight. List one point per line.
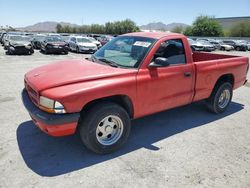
(28, 46)
(51, 106)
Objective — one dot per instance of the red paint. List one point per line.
(56, 130)
(74, 83)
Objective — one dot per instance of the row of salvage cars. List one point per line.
(208, 45)
(25, 43)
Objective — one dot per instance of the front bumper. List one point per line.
(85, 49)
(54, 49)
(20, 50)
(52, 124)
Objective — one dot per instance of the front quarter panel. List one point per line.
(75, 96)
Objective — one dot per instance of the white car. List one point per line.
(225, 47)
(96, 42)
(81, 44)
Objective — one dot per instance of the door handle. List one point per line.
(187, 74)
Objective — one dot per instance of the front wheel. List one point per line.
(220, 98)
(105, 127)
(77, 50)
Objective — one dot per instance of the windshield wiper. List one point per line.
(107, 61)
(92, 58)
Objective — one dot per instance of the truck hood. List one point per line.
(69, 72)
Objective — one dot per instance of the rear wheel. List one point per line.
(104, 128)
(45, 51)
(31, 51)
(220, 98)
(9, 52)
(77, 50)
(237, 48)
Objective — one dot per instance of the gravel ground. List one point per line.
(183, 147)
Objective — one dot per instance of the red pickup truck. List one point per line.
(133, 75)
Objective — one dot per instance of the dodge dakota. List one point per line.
(132, 76)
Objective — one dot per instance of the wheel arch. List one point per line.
(224, 78)
(122, 100)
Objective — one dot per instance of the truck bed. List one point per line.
(203, 56)
(210, 67)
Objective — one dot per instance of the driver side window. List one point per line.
(173, 50)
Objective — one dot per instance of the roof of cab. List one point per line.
(155, 35)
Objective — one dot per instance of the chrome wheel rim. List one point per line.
(109, 130)
(224, 98)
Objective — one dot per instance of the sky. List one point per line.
(19, 13)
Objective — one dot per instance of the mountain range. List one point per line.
(50, 26)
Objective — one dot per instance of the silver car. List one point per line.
(81, 44)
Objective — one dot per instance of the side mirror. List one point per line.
(159, 62)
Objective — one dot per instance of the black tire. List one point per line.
(45, 51)
(213, 101)
(223, 48)
(92, 118)
(77, 50)
(66, 52)
(237, 48)
(9, 51)
(31, 51)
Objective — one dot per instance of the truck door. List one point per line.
(165, 87)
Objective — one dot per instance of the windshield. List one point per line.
(92, 39)
(39, 37)
(204, 42)
(19, 38)
(126, 51)
(65, 38)
(53, 39)
(83, 40)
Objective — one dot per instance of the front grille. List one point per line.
(32, 94)
(20, 47)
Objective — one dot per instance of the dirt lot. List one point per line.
(184, 147)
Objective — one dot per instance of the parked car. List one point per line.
(96, 42)
(18, 44)
(1, 37)
(5, 37)
(6, 40)
(195, 46)
(103, 39)
(54, 44)
(215, 43)
(225, 47)
(81, 44)
(248, 45)
(244, 42)
(99, 96)
(36, 41)
(66, 39)
(207, 46)
(237, 45)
